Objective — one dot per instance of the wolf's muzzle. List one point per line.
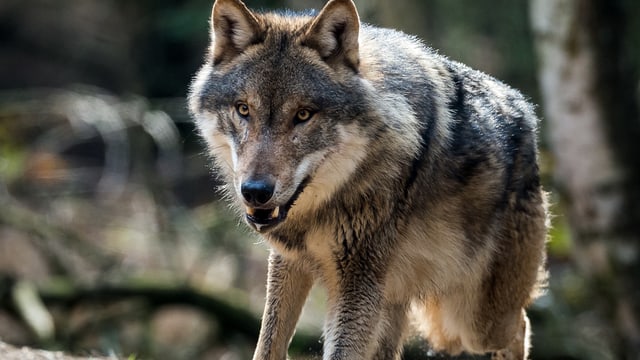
(264, 218)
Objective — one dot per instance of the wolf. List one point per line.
(403, 182)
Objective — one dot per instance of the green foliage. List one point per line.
(12, 161)
(560, 244)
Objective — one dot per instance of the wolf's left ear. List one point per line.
(233, 29)
(334, 33)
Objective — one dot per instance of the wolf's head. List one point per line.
(279, 102)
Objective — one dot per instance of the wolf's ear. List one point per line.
(233, 29)
(334, 33)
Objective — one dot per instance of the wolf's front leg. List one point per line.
(288, 285)
(353, 322)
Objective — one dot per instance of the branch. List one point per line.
(231, 317)
(16, 215)
(8, 352)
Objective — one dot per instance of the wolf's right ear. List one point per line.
(233, 29)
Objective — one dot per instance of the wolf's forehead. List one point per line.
(269, 78)
(279, 70)
(285, 73)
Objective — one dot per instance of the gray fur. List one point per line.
(413, 187)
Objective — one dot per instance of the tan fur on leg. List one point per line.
(518, 349)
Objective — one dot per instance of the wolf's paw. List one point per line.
(506, 354)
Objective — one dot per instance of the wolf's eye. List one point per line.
(242, 109)
(303, 115)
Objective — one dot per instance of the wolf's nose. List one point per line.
(257, 192)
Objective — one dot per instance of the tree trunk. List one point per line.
(590, 101)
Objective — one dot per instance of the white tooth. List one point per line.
(259, 227)
(250, 211)
(275, 212)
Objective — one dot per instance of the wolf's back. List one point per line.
(468, 122)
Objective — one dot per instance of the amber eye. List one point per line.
(303, 115)
(242, 109)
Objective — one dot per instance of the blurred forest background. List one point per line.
(113, 240)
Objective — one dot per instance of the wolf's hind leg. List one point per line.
(515, 279)
(518, 349)
(393, 327)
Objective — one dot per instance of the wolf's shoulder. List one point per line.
(392, 49)
(386, 45)
(403, 62)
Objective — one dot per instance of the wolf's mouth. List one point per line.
(262, 219)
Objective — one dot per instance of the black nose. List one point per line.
(257, 192)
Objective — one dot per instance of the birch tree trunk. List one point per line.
(590, 100)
